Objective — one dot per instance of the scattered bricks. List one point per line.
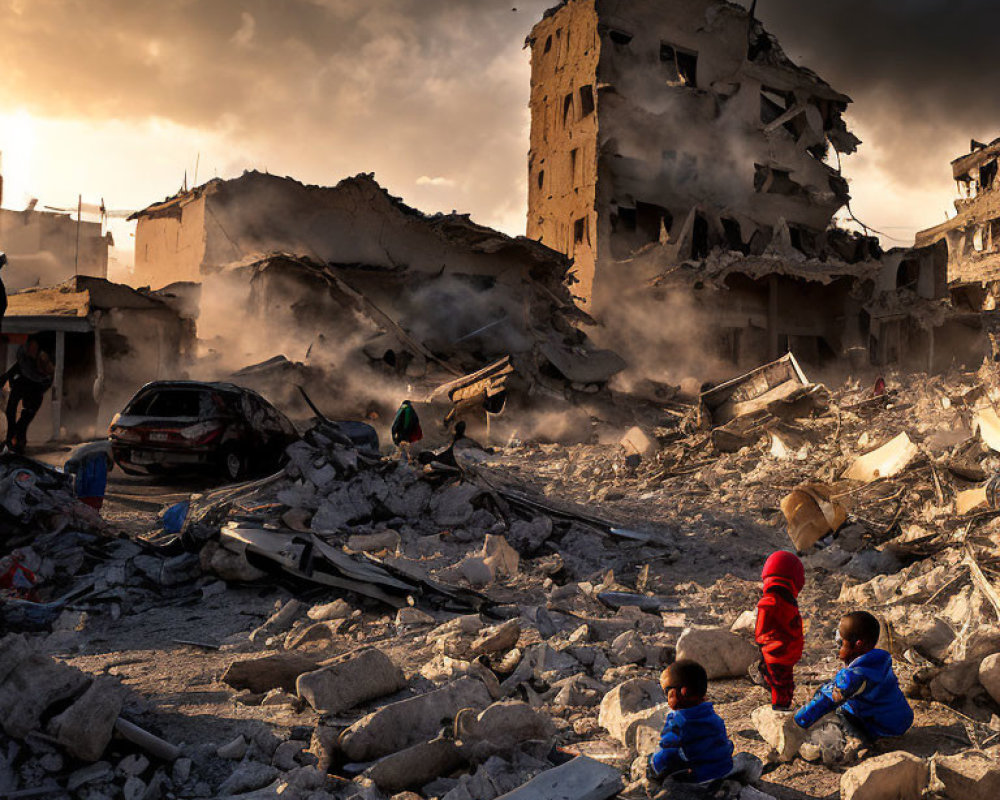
(407, 722)
(278, 671)
(723, 654)
(497, 640)
(30, 689)
(415, 766)
(85, 728)
(633, 704)
(968, 776)
(894, 776)
(350, 681)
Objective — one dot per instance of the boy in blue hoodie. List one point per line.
(694, 747)
(865, 693)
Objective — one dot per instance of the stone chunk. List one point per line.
(14, 650)
(372, 542)
(779, 730)
(635, 442)
(338, 609)
(85, 728)
(989, 676)
(497, 640)
(30, 689)
(968, 776)
(247, 777)
(260, 675)
(348, 682)
(580, 779)
(411, 721)
(415, 766)
(723, 654)
(894, 776)
(500, 557)
(280, 621)
(635, 704)
(502, 728)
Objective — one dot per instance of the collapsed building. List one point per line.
(106, 339)
(351, 281)
(969, 242)
(675, 147)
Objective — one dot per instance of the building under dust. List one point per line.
(691, 169)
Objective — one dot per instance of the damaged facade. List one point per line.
(675, 145)
(106, 340)
(970, 242)
(351, 280)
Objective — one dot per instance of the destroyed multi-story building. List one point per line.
(969, 242)
(673, 143)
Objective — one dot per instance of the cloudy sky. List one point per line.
(116, 99)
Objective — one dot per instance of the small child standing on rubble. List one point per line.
(90, 464)
(406, 428)
(779, 626)
(865, 693)
(694, 746)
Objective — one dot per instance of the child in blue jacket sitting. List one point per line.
(865, 693)
(694, 747)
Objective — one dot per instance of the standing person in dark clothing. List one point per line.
(406, 428)
(3, 291)
(29, 379)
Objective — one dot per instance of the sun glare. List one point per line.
(18, 135)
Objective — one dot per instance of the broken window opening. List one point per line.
(620, 37)
(574, 162)
(541, 179)
(627, 219)
(650, 219)
(681, 65)
(988, 175)
(734, 234)
(908, 275)
(979, 239)
(586, 101)
(768, 180)
(548, 45)
(802, 239)
(567, 108)
(819, 151)
(773, 103)
(699, 237)
(580, 231)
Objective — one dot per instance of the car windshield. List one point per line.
(174, 403)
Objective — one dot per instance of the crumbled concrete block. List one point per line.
(85, 728)
(373, 542)
(350, 681)
(338, 609)
(893, 776)
(779, 730)
(234, 750)
(723, 654)
(580, 779)
(404, 723)
(280, 621)
(968, 776)
(633, 704)
(415, 766)
(635, 442)
(497, 640)
(246, 777)
(34, 686)
(500, 557)
(989, 676)
(263, 673)
(413, 616)
(502, 728)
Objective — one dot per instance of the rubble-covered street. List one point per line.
(359, 627)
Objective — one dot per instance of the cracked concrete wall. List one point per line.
(973, 235)
(702, 128)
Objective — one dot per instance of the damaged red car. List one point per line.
(181, 427)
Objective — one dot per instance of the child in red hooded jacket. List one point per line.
(779, 626)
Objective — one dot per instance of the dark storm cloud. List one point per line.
(922, 73)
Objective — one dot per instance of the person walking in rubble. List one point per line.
(3, 291)
(29, 379)
(406, 428)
